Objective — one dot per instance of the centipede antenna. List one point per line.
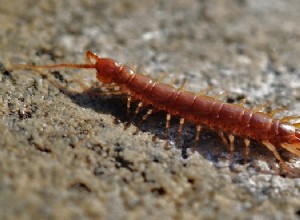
(52, 66)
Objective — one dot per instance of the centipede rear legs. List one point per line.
(271, 147)
(230, 143)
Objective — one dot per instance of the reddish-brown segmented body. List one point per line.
(199, 109)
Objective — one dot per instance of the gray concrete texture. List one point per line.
(74, 155)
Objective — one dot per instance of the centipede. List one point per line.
(229, 120)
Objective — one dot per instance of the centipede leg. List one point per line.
(144, 118)
(128, 104)
(291, 149)
(138, 108)
(183, 86)
(168, 119)
(260, 107)
(204, 91)
(275, 111)
(287, 119)
(220, 95)
(242, 102)
(231, 146)
(221, 134)
(247, 145)
(181, 123)
(149, 112)
(161, 77)
(296, 125)
(198, 131)
(272, 148)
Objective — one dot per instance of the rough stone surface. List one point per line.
(73, 155)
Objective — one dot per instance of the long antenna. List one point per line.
(64, 65)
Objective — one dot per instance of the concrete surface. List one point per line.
(76, 156)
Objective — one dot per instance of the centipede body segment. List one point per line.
(202, 110)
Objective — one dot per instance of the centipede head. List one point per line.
(107, 69)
